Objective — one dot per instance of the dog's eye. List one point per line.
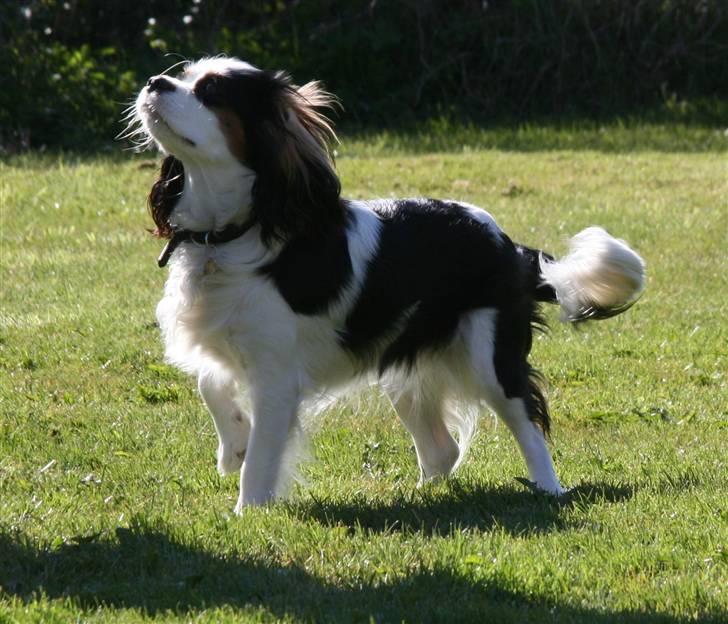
(209, 91)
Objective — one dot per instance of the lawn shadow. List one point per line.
(148, 569)
(463, 506)
(657, 130)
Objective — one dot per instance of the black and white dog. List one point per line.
(282, 292)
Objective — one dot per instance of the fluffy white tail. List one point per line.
(600, 277)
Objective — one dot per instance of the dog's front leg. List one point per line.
(219, 390)
(275, 407)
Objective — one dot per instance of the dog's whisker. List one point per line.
(184, 61)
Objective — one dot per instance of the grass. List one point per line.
(110, 506)
(655, 134)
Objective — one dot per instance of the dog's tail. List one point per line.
(599, 278)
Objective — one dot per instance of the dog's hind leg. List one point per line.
(498, 350)
(530, 438)
(422, 412)
(218, 390)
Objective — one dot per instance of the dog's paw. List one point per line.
(229, 459)
(424, 481)
(557, 491)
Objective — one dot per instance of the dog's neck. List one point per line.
(214, 195)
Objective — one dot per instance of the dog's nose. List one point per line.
(160, 83)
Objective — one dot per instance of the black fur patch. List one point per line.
(310, 272)
(536, 403)
(542, 292)
(513, 339)
(435, 261)
(165, 194)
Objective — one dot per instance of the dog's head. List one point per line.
(223, 113)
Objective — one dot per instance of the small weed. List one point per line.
(162, 371)
(158, 394)
(29, 364)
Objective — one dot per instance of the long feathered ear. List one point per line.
(165, 193)
(297, 191)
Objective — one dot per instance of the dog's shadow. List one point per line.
(463, 506)
(149, 570)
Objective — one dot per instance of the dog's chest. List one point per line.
(210, 267)
(207, 298)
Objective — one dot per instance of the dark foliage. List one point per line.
(69, 65)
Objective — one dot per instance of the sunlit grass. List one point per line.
(110, 506)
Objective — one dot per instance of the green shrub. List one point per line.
(70, 66)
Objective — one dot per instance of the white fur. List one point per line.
(179, 124)
(599, 270)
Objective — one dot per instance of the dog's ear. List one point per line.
(297, 191)
(165, 193)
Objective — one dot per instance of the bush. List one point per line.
(64, 97)
(71, 65)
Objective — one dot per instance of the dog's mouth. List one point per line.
(155, 122)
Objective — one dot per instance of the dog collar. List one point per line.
(210, 238)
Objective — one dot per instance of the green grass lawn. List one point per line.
(110, 505)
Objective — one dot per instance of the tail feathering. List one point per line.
(599, 278)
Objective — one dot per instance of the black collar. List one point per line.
(227, 234)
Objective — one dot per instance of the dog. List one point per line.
(283, 292)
